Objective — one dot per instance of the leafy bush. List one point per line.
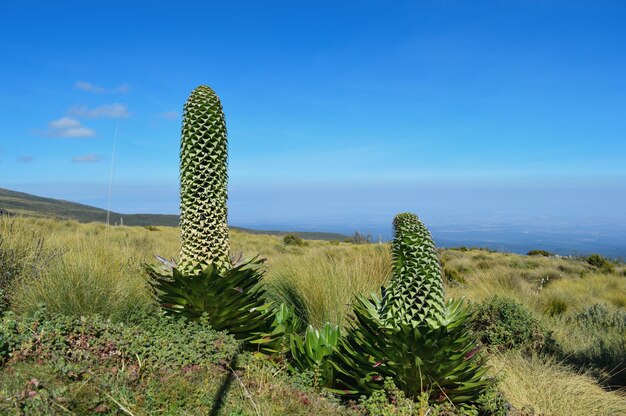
(505, 324)
(601, 263)
(543, 253)
(293, 240)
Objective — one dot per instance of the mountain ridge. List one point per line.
(21, 203)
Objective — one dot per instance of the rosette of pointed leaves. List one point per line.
(415, 294)
(441, 360)
(203, 184)
(232, 299)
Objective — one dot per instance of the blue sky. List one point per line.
(340, 114)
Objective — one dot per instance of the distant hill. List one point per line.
(20, 203)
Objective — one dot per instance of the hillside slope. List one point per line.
(21, 203)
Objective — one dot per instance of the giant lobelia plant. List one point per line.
(206, 281)
(411, 335)
(415, 294)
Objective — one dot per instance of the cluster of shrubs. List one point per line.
(601, 263)
(504, 324)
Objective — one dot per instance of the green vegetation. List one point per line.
(324, 278)
(115, 342)
(600, 263)
(293, 240)
(504, 324)
(543, 253)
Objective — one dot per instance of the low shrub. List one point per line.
(543, 253)
(293, 240)
(601, 263)
(505, 324)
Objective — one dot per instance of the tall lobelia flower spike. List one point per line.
(415, 294)
(203, 184)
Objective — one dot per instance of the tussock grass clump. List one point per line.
(24, 255)
(547, 387)
(97, 269)
(326, 279)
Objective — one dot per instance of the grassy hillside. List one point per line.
(20, 203)
(555, 327)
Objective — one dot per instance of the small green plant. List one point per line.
(441, 361)
(313, 352)
(505, 324)
(604, 342)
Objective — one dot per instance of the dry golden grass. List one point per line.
(553, 389)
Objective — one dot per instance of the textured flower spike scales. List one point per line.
(415, 294)
(203, 184)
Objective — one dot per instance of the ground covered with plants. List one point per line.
(101, 346)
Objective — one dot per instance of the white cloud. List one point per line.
(86, 86)
(25, 159)
(64, 123)
(68, 127)
(170, 115)
(88, 158)
(89, 87)
(116, 110)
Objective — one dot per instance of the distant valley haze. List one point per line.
(500, 125)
